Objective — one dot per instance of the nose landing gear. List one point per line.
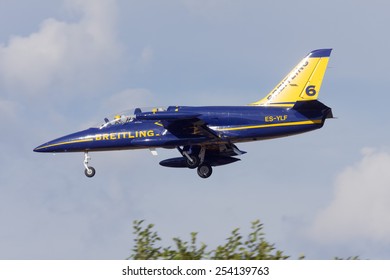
(89, 170)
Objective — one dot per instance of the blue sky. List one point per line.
(65, 65)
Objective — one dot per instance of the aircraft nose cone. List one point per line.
(54, 146)
(37, 149)
(46, 147)
(74, 142)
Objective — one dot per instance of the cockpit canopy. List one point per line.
(129, 116)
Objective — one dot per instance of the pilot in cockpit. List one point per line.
(117, 119)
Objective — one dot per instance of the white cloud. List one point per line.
(60, 51)
(361, 204)
(146, 56)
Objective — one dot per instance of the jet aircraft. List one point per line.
(206, 136)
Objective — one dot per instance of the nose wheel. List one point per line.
(89, 170)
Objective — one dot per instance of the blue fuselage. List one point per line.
(228, 123)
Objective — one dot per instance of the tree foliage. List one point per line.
(253, 247)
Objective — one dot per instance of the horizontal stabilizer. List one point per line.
(307, 107)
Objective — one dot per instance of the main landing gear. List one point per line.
(205, 170)
(89, 170)
(194, 158)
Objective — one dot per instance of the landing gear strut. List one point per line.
(89, 170)
(192, 159)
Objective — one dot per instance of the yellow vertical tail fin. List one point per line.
(303, 83)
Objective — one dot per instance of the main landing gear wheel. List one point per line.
(205, 170)
(192, 162)
(90, 172)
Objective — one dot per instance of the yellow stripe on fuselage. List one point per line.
(68, 142)
(271, 125)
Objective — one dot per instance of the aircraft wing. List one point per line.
(181, 124)
(190, 128)
(188, 125)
